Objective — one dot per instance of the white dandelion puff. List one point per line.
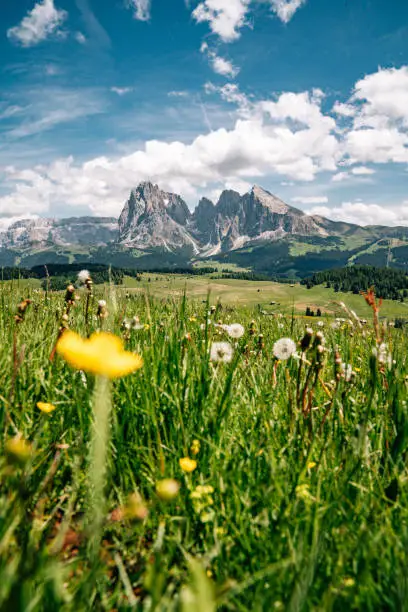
(236, 330)
(221, 351)
(320, 323)
(83, 276)
(347, 371)
(102, 304)
(284, 348)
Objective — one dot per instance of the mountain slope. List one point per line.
(256, 230)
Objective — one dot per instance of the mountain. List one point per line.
(255, 231)
(38, 233)
(153, 218)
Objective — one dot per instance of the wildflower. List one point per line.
(45, 407)
(349, 582)
(192, 319)
(320, 323)
(347, 371)
(284, 348)
(235, 330)
(18, 450)
(83, 276)
(135, 508)
(195, 447)
(188, 465)
(311, 465)
(101, 354)
(221, 351)
(202, 501)
(167, 489)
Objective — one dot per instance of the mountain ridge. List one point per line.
(257, 227)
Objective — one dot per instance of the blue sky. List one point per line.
(308, 98)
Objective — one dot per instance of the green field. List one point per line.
(252, 293)
(152, 468)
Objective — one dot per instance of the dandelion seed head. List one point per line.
(222, 352)
(83, 276)
(102, 304)
(284, 348)
(236, 330)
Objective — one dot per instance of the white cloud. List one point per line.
(260, 144)
(225, 17)
(285, 9)
(48, 107)
(141, 9)
(219, 64)
(362, 171)
(121, 91)
(361, 213)
(40, 23)
(81, 38)
(379, 133)
(310, 200)
(345, 110)
(340, 176)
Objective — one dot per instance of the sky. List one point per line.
(307, 98)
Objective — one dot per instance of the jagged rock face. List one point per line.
(87, 231)
(257, 215)
(153, 218)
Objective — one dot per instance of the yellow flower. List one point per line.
(102, 354)
(195, 447)
(18, 450)
(188, 465)
(167, 489)
(311, 465)
(45, 407)
(192, 320)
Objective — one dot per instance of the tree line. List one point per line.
(389, 283)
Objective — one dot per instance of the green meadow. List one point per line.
(223, 470)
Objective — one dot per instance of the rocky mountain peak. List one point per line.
(268, 200)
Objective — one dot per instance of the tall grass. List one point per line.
(299, 498)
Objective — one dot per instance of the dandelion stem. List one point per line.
(99, 458)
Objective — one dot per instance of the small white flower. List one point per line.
(284, 348)
(236, 330)
(347, 371)
(83, 276)
(221, 351)
(102, 304)
(320, 323)
(280, 325)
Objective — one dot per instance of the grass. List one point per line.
(261, 293)
(299, 497)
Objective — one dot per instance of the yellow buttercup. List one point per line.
(102, 354)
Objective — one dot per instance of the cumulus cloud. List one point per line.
(264, 142)
(219, 64)
(379, 132)
(361, 213)
(42, 21)
(310, 200)
(285, 9)
(141, 9)
(225, 17)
